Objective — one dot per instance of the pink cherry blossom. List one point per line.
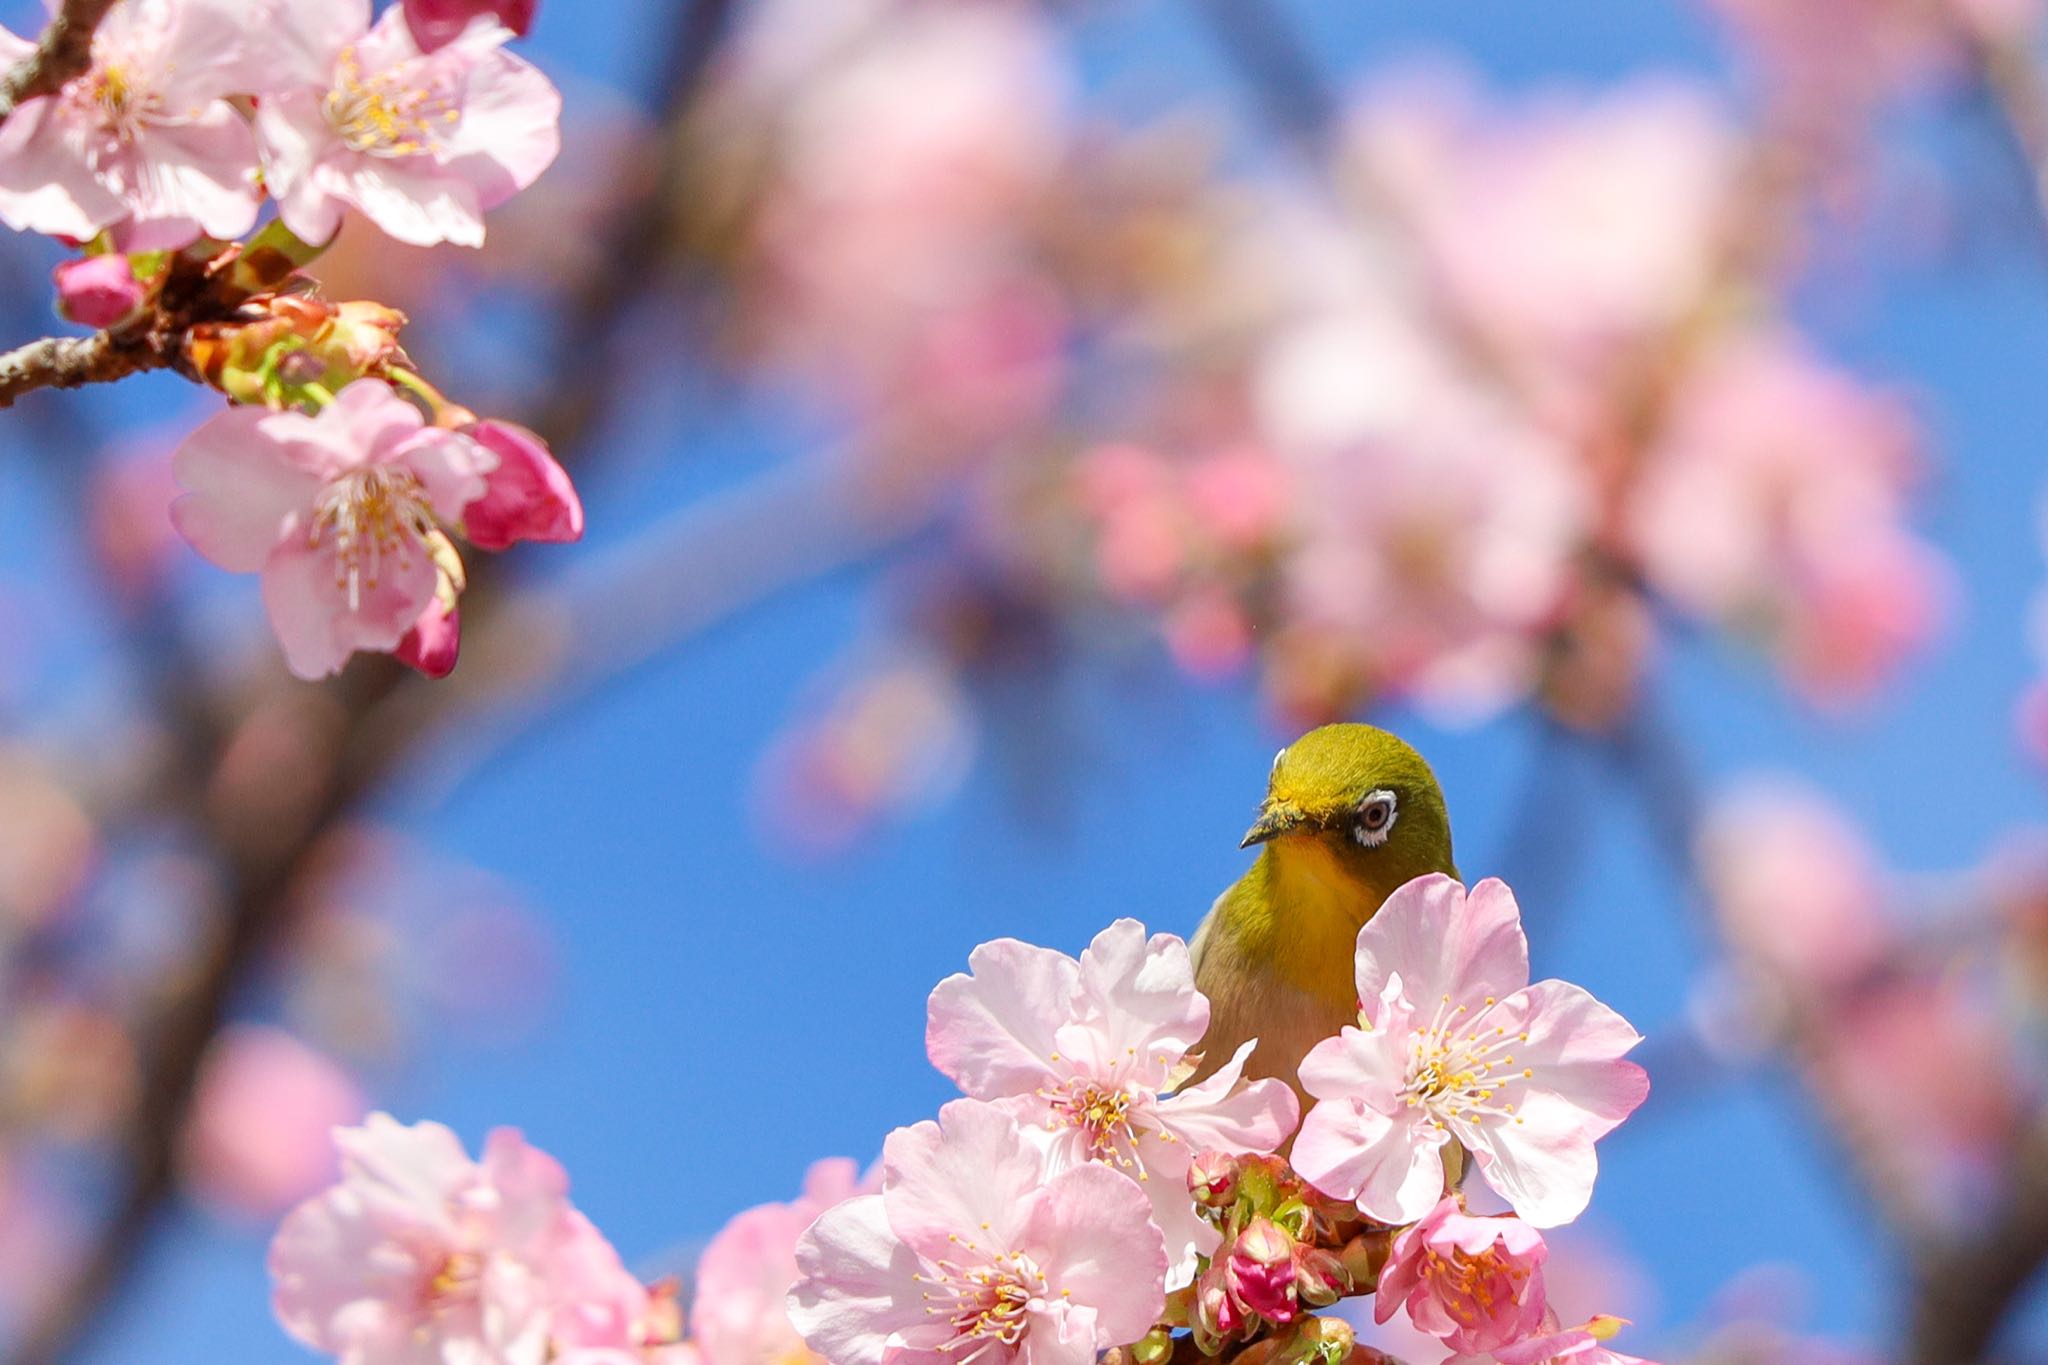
(337, 512)
(145, 140)
(1455, 1045)
(739, 1314)
(1778, 501)
(98, 291)
(1475, 1283)
(1080, 1051)
(436, 23)
(1796, 887)
(977, 1250)
(527, 497)
(1435, 532)
(422, 1256)
(420, 143)
(1556, 1345)
(259, 1139)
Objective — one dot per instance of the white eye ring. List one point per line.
(1376, 816)
(1276, 761)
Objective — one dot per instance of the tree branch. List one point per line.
(64, 51)
(72, 362)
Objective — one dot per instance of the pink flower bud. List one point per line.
(98, 291)
(1217, 1312)
(1320, 1278)
(527, 497)
(435, 23)
(1261, 1271)
(1212, 1179)
(433, 642)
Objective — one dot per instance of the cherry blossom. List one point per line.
(975, 1250)
(420, 143)
(1777, 502)
(1455, 1045)
(145, 140)
(739, 1314)
(1557, 1345)
(1080, 1051)
(337, 512)
(422, 1255)
(259, 1139)
(1475, 1283)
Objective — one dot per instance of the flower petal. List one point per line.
(856, 1286)
(991, 1030)
(1091, 1233)
(970, 1170)
(249, 481)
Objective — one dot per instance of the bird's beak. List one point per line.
(1273, 822)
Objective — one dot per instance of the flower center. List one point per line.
(1457, 1066)
(384, 114)
(456, 1282)
(373, 514)
(987, 1305)
(1465, 1280)
(111, 97)
(1108, 1117)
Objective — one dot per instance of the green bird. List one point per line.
(1351, 812)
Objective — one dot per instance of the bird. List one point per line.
(1351, 813)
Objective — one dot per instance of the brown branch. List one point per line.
(64, 51)
(72, 362)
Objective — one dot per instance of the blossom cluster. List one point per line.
(1083, 1195)
(342, 473)
(150, 144)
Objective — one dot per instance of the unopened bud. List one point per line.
(98, 291)
(1319, 1277)
(1212, 1180)
(1326, 1341)
(1261, 1271)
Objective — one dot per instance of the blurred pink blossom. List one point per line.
(1434, 533)
(145, 141)
(1568, 230)
(1797, 888)
(1778, 502)
(420, 1254)
(260, 1138)
(739, 1314)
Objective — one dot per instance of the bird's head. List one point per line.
(1359, 798)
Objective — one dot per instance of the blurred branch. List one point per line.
(72, 362)
(2013, 82)
(1278, 67)
(64, 51)
(1965, 1285)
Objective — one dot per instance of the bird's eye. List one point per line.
(1375, 818)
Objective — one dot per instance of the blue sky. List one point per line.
(726, 1013)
